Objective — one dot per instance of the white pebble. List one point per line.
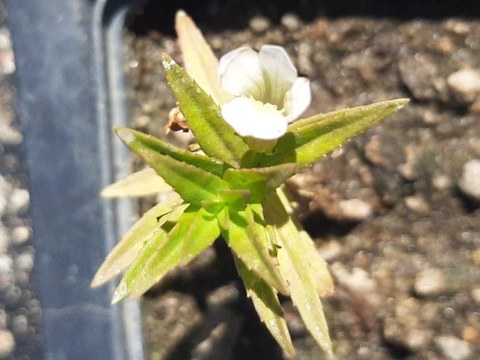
(355, 209)
(453, 348)
(470, 181)
(429, 282)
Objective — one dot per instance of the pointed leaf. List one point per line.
(195, 231)
(216, 138)
(125, 252)
(200, 61)
(266, 304)
(148, 143)
(193, 183)
(248, 240)
(141, 183)
(319, 268)
(307, 140)
(297, 271)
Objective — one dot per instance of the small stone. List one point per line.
(7, 343)
(418, 73)
(8, 134)
(20, 325)
(413, 339)
(291, 21)
(259, 24)
(19, 201)
(417, 204)
(330, 250)
(355, 209)
(357, 281)
(470, 334)
(20, 234)
(464, 85)
(429, 282)
(5, 189)
(24, 262)
(476, 295)
(470, 181)
(441, 182)
(453, 348)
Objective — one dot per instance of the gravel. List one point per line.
(19, 309)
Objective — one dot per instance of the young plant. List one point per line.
(241, 112)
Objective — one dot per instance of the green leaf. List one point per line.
(258, 180)
(195, 231)
(215, 136)
(200, 61)
(147, 143)
(125, 252)
(247, 238)
(297, 270)
(319, 269)
(141, 183)
(307, 140)
(266, 304)
(193, 183)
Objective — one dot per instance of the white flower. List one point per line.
(269, 93)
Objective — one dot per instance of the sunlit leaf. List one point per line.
(193, 183)
(141, 183)
(248, 240)
(297, 271)
(258, 180)
(125, 252)
(147, 143)
(266, 304)
(307, 140)
(195, 231)
(318, 266)
(199, 60)
(216, 138)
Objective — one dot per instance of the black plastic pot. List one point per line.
(71, 93)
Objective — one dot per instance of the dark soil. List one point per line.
(389, 210)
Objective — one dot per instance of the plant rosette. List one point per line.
(242, 112)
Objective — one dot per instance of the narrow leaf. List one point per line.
(266, 304)
(125, 252)
(148, 143)
(141, 183)
(248, 240)
(319, 268)
(307, 140)
(194, 184)
(216, 138)
(195, 231)
(200, 61)
(297, 271)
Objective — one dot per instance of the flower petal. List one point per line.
(253, 118)
(240, 73)
(297, 99)
(278, 71)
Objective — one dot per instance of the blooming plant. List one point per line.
(242, 112)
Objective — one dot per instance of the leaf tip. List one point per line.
(97, 281)
(400, 103)
(167, 61)
(125, 135)
(121, 292)
(180, 14)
